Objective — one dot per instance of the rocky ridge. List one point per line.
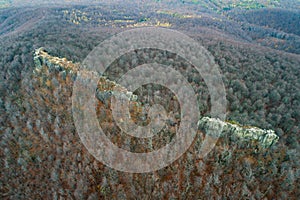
(240, 134)
(58, 166)
(106, 89)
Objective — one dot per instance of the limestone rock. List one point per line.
(239, 134)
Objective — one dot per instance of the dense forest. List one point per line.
(256, 46)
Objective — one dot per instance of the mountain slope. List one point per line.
(42, 156)
(51, 155)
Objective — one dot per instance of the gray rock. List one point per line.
(238, 134)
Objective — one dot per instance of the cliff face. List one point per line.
(245, 163)
(236, 133)
(242, 135)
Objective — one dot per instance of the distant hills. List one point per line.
(217, 5)
(274, 24)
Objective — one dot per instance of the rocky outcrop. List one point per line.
(42, 58)
(251, 136)
(243, 164)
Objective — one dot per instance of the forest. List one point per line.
(256, 47)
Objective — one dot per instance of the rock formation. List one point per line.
(240, 134)
(105, 90)
(244, 163)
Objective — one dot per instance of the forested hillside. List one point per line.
(256, 45)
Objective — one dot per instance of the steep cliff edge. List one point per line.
(238, 134)
(245, 163)
(241, 135)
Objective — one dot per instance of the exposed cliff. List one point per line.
(242, 135)
(243, 164)
(238, 134)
